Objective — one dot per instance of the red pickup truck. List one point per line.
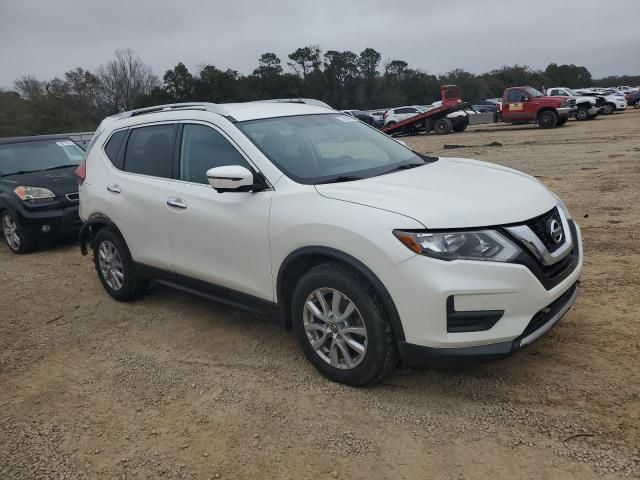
(528, 105)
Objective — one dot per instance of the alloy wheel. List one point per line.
(335, 328)
(111, 266)
(10, 230)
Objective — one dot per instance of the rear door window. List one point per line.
(150, 151)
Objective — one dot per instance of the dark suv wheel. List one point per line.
(342, 327)
(14, 234)
(115, 268)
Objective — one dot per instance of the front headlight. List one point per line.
(487, 245)
(34, 194)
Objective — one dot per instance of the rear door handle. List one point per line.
(113, 188)
(176, 202)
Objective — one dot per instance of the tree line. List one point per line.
(343, 79)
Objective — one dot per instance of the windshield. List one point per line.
(533, 92)
(38, 155)
(325, 148)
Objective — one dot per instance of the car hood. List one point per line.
(60, 181)
(450, 193)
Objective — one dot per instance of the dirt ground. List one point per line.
(173, 386)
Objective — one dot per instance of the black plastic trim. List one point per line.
(208, 290)
(470, 320)
(358, 266)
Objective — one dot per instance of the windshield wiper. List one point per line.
(23, 172)
(56, 168)
(404, 166)
(340, 179)
(20, 172)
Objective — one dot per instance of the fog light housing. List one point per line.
(45, 228)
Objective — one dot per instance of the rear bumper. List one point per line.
(418, 356)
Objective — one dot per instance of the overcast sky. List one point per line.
(46, 38)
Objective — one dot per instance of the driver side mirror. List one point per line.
(232, 178)
(525, 98)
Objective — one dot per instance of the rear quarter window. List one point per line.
(112, 148)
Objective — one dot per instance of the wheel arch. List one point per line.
(546, 109)
(91, 227)
(303, 259)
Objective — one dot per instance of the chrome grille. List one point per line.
(538, 226)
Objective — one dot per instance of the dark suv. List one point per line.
(38, 189)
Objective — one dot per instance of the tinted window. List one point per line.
(113, 145)
(515, 96)
(400, 111)
(39, 155)
(204, 148)
(150, 151)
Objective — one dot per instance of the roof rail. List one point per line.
(205, 106)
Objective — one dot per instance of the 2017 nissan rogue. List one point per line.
(371, 252)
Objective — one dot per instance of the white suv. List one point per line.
(371, 252)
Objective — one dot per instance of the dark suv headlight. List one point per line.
(486, 245)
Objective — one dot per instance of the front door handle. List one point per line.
(113, 188)
(176, 202)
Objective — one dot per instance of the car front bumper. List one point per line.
(421, 288)
(566, 111)
(49, 223)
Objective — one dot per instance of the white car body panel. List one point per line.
(477, 195)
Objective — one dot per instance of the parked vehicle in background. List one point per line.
(360, 115)
(38, 190)
(378, 118)
(255, 204)
(626, 89)
(527, 105)
(399, 114)
(486, 106)
(633, 99)
(614, 100)
(589, 107)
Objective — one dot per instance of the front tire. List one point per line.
(636, 104)
(342, 327)
(582, 114)
(562, 121)
(14, 235)
(548, 119)
(115, 267)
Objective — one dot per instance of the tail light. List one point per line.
(386, 114)
(81, 173)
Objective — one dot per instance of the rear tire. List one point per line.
(443, 126)
(357, 348)
(548, 119)
(115, 268)
(14, 235)
(460, 126)
(609, 108)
